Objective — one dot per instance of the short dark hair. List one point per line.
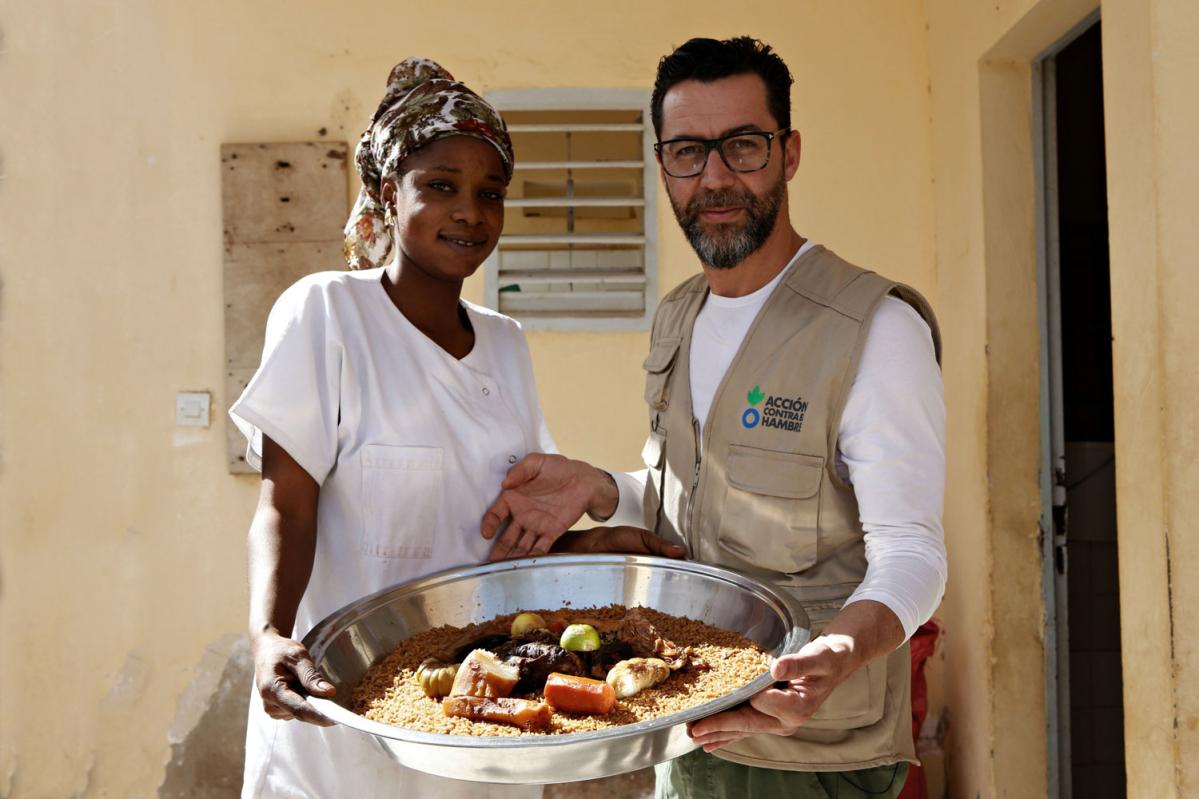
(710, 60)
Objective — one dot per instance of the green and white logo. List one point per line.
(784, 413)
(751, 417)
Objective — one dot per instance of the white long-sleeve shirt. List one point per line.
(890, 447)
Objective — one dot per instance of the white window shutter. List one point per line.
(578, 250)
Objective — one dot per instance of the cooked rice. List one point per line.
(390, 693)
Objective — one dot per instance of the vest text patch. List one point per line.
(783, 413)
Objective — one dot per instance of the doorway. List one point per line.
(1086, 727)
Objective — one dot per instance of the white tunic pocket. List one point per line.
(401, 500)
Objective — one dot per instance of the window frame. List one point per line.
(589, 99)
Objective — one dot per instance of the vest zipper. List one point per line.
(655, 428)
(694, 484)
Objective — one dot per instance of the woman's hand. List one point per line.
(281, 546)
(284, 673)
(543, 496)
(622, 540)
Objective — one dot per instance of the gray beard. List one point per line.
(724, 246)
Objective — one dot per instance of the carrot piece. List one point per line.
(572, 694)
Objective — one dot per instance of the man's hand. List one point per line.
(284, 673)
(806, 679)
(543, 496)
(623, 540)
(860, 632)
(733, 725)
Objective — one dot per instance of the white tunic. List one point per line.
(890, 446)
(409, 446)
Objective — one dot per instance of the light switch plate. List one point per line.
(193, 408)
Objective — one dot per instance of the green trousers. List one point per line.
(698, 775)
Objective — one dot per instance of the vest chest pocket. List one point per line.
(771, 512)
(658, 365)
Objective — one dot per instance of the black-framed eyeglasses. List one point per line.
(748, 151)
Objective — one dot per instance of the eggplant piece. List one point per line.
(537, 661)
(540, 635)
(612, 650)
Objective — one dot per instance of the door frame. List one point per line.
(1054, 553)
(1022, 686)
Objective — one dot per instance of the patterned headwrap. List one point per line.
(423, 103)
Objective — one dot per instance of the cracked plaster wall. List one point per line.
(208, 735)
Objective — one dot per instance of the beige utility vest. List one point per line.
(765, 499)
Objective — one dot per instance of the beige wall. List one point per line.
(123, 535)
(1151, 69)
(980, 66)
(980, 60)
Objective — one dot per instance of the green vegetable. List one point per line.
(580, 638)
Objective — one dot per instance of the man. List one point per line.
(796, 434)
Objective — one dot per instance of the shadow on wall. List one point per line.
(209, 736)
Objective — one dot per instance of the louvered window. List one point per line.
(577, 250)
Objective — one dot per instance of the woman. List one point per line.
(399, 407)
(393, 402)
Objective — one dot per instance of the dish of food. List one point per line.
(553, 672)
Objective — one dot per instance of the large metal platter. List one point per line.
(346, 643)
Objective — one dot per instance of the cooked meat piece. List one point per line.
(483, 674)
(536, 661)
(641, 636)
(645, 641)
(523, 713)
